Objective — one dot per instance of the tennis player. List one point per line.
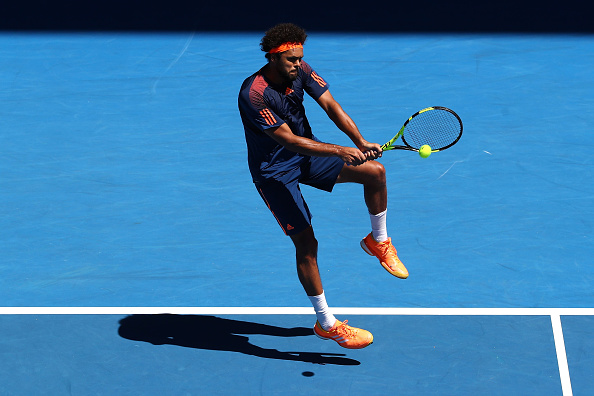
(283, 152)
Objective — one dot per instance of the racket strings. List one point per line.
(437, 127)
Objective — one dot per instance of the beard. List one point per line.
(288, 76)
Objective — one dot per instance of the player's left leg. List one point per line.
(372, 175)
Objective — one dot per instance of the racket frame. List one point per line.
(389, 145)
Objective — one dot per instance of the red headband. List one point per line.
(285, 47)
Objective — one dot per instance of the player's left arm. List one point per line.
(346, 124)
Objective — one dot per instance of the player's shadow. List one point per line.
(218, 334)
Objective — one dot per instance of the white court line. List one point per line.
(561, 355)
(294, 311)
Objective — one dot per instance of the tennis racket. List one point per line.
(437, 126)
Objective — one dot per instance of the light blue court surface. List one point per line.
(124, 183)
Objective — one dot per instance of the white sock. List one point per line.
(323, 314)
(378, 226)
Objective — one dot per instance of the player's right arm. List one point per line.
(285, 137)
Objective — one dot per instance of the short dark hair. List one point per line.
(282, 33)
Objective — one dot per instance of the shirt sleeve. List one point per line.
(256, 110)
(314, 85)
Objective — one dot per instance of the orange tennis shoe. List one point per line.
(345, 335)
(386, 253)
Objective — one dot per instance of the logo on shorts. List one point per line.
(290, 227)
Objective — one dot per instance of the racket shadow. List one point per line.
(219, 334)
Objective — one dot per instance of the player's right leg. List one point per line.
(290, 210)
(306, 254)
(326, 327)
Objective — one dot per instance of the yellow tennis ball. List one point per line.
(425, 151)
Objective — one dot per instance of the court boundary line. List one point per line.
(561, 355)
(113, 310)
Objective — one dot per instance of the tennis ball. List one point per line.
(425, 151)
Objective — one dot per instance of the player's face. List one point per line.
(288, 63)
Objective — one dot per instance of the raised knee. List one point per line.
(378, 172)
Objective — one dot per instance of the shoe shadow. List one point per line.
(218, 334)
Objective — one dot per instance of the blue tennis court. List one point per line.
(138, 258)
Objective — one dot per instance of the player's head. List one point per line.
(279, 35)
(283, 45)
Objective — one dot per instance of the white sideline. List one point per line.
(561, 355)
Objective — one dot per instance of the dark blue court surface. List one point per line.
(245, 354)
(580, 352)
(124, 183)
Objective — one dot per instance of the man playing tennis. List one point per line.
(283, 152)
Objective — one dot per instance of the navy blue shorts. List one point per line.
(284, 199)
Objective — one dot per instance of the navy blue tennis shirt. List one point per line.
(263, 106)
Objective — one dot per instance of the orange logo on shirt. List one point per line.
(318, 79)
(268, 117)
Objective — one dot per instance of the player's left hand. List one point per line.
(371, 150)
